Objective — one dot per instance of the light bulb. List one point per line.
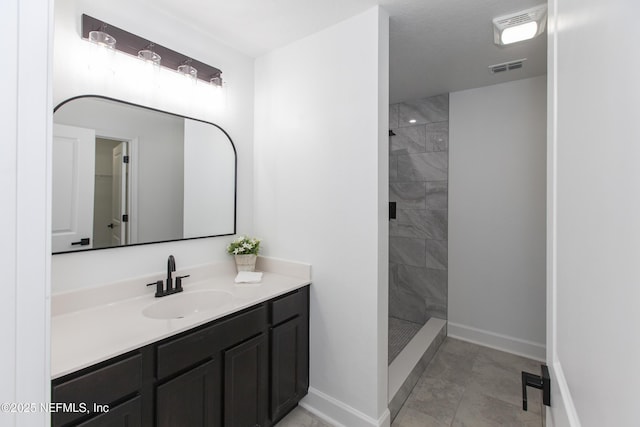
(519, 33)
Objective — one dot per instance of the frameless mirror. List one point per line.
(124, 175)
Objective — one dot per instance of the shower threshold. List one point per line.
(400, 334)
(406, 368)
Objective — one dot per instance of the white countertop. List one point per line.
(90, 326)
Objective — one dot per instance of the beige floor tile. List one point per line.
(465, 385)
(479, 410)
(300, 417)
(436, 397)
(408, 417)
(503, 384)
(508, 361)
(452, 367)
(463, 348)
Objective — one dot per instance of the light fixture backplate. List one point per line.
(132, 44)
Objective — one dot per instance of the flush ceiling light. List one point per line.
(519, 26)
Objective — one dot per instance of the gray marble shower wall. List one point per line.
(418, 183)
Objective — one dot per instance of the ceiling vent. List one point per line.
(507, 66)
(519, 26)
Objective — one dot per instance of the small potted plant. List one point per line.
(245, 250)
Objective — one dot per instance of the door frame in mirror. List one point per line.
(235, 175)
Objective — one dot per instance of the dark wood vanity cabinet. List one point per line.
(117, 383)
(248, 369)
(190, 399)
(289, 335)
(246, 383)
(127, 414)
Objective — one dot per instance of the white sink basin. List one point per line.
(186, 304)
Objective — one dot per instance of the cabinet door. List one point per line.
(127, 414)
(246, 378)
(191, 399)
(289, 366)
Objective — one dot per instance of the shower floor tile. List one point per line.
(400, 333)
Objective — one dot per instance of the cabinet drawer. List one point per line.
(195, 347)
(102, 386)
(288, 306)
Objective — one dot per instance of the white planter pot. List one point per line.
(246, 262)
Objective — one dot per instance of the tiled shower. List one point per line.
(418, 183)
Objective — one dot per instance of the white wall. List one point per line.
(595, 222)
(79, 70)
(321, 154)
(25, 116)
(497, 190)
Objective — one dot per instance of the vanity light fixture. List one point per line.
(519, 26)
(147, 54)
(95, 30)
(102, 38)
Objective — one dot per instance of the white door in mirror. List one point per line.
(119, 196)
(73, 187)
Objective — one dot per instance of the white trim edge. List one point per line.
(568, 409)
(506, 343)
(340, 414)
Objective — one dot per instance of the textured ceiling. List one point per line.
(439, 46)
(436, 46)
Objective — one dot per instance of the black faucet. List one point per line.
(171, 267)
(161, 290)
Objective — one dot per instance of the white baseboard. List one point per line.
(340, 414)
(529, 349)
(562, 412)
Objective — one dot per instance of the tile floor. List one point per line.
(300, 417)
(465, 385)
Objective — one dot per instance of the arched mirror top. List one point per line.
(125, 174)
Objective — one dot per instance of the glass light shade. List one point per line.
(149, 56)
(188, 70)
(216, 80)
(103, 39)
(519, 33)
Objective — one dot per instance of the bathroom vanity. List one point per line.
(244, 363)
(207, 352)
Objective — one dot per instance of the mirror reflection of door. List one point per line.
(119, 195)
(111, 193)
(73, 187)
